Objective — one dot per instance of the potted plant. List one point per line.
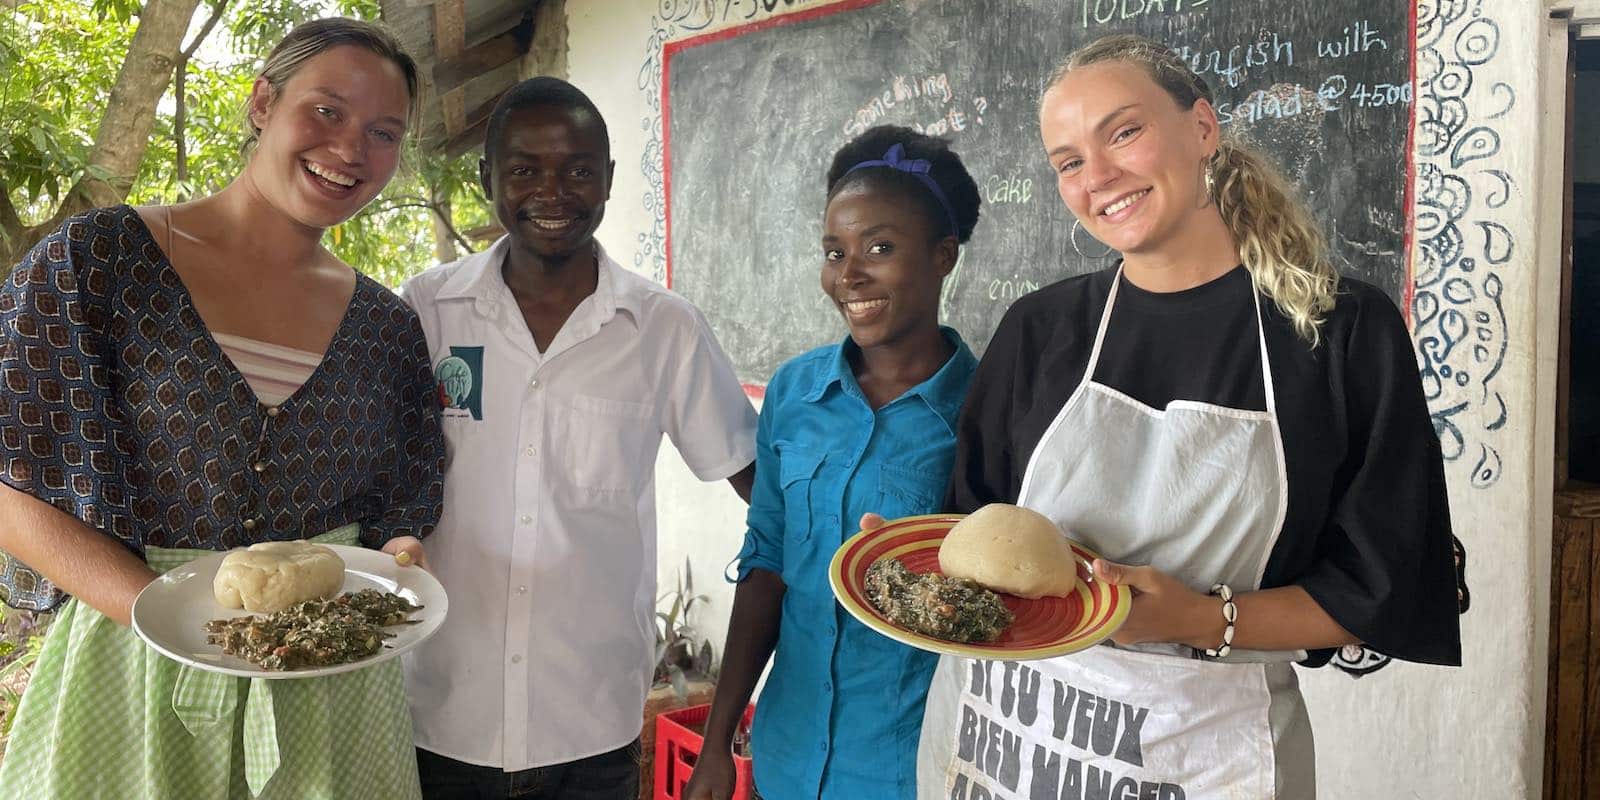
(685, 668)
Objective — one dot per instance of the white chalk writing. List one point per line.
(1233, 64)
(1101, 12)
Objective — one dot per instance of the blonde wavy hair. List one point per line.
(1279, 243)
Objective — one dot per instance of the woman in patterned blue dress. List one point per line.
(132, 439)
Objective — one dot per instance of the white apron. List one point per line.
(1198, 491)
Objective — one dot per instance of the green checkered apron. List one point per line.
(107, 717)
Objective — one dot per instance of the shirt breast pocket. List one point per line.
(905, 490)
(797, 476)
(606, 444)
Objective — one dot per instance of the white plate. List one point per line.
(170, 614)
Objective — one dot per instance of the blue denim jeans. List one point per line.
(608, 776)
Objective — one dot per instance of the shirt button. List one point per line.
(522, 590)
(530, 451)
(526, 519)
(259, 466)
(533, 383)
(249, 524)
(272, 411)
(516, 659)
(827, 687)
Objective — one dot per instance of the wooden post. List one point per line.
(1572, 721)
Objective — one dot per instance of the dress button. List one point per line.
(533, 383)
(522, 590)
(530, 451)
(272, 411)
(526, 519)
(516, 659)
(259, 466)
(249, 524)
(827, 687)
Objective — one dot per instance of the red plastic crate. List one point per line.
(678, 746)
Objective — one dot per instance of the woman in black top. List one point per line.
(1239, 431)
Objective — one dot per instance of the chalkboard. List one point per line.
(752, 115)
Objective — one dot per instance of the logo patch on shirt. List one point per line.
(460, 377)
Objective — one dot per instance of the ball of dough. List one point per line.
(1010, 549)
(271, 576)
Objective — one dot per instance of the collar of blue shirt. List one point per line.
(944, 392)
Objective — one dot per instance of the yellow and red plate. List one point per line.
(1047, 627)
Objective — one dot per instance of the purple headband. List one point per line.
(917, 168)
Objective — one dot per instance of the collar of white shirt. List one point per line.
(480, 281)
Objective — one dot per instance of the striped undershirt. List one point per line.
(273, 371)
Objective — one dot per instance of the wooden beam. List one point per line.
(475, 126)
(466, 140)
(1572, 576)
(483, 110)
(451, 108)
(548, 53)
(1578, 501)
(449, 28)
(449, 39)
(454, 71)
(484, 234)
(1579, 10)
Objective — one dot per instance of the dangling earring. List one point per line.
(1212, 167)
(1076, 224)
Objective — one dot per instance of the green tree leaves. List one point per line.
(59, 60)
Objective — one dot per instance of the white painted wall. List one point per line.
(1477, 731)
(1405, 731)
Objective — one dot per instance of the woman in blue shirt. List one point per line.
(866, 424)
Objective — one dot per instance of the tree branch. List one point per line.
(406, 201)
(205, 30)
(444, 242)
(397, 205)
(180, 116)
(417, 202)
(11, 226)
(180, 123)
(444, 219)
(124, 130)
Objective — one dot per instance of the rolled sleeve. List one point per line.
(705, 411)
(763, 538)
(64, 441)
(1386, 565)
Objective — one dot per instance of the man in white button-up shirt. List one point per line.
(559, 372)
